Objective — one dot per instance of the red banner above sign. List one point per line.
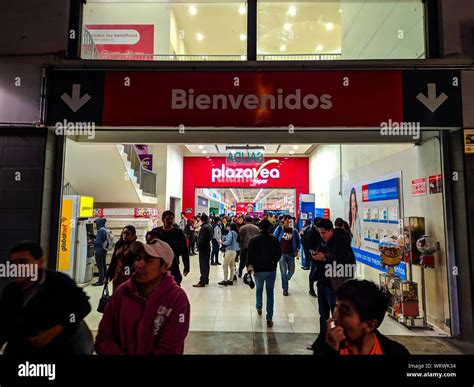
(247, 99)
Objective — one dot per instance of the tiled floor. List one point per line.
(232, 309)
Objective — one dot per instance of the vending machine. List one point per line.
(76, 249)
(306, 212)
(307, 208)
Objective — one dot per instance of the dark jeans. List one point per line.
(100, 262)
(215, 251)
(312, 269)
(192, 244)
(243, 260)
(326, 304)
(204, 264)
(175, 272)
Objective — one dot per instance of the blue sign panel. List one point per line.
(382, 190)
(373, 260)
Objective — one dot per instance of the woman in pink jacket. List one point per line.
(149, 314)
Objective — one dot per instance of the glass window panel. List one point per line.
(345, 29)
(165, 30)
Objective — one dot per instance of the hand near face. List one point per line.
(334, 336)
(318, 256)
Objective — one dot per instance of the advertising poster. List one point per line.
(436, 184)
(469, 141)
(142, 149)
(418, 187)
(372, 209)
(65, 236)
(244, 207)
(147, 162)
(123, 41)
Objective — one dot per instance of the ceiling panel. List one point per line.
(301, 149)
(209, 148)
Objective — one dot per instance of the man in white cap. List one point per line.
(149, 314)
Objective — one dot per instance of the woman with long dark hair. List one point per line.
(354, 220)
(121, 265)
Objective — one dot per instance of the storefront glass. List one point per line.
(380, 190)
(165, 30)
(346, 29)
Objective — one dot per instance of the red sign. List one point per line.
(365, 193)
(436, 184)
(142, 212)
(261, 99)
(244, 207)
(123, 41)
(215, 172)
(418, 187)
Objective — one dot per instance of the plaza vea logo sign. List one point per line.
(255, 176)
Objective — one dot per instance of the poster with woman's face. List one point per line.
(353, 218)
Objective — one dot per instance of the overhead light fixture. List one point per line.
(283, 47)
(201, 146)
(258, 194)
(235, 195)
(199, 36)
(292, 10)
(292, 152)
(287, 26)
(295, 147)
(243, 37)
(192, 10)
(319, 47)
(340, 10)
(204, 152)
(243, 57)
(329, 26)
(242, 10)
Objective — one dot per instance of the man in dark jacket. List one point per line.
(99, 251)
(310, 239)
(175, 238)
(247, 232)
(289, 239)
(360, 310)
(42, 315)
(335, 262)
(263, 255)
(204, 245)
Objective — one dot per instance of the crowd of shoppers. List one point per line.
(149, 312)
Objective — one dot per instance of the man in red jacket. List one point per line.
(149, 314)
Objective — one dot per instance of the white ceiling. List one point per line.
(270, 149)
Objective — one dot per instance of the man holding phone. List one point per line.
(334, 249)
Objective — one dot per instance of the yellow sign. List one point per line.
(65, 235)
(86, 207)
(469, 141)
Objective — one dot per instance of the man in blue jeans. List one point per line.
(99, 251)
(289, 242)
(263, 255)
